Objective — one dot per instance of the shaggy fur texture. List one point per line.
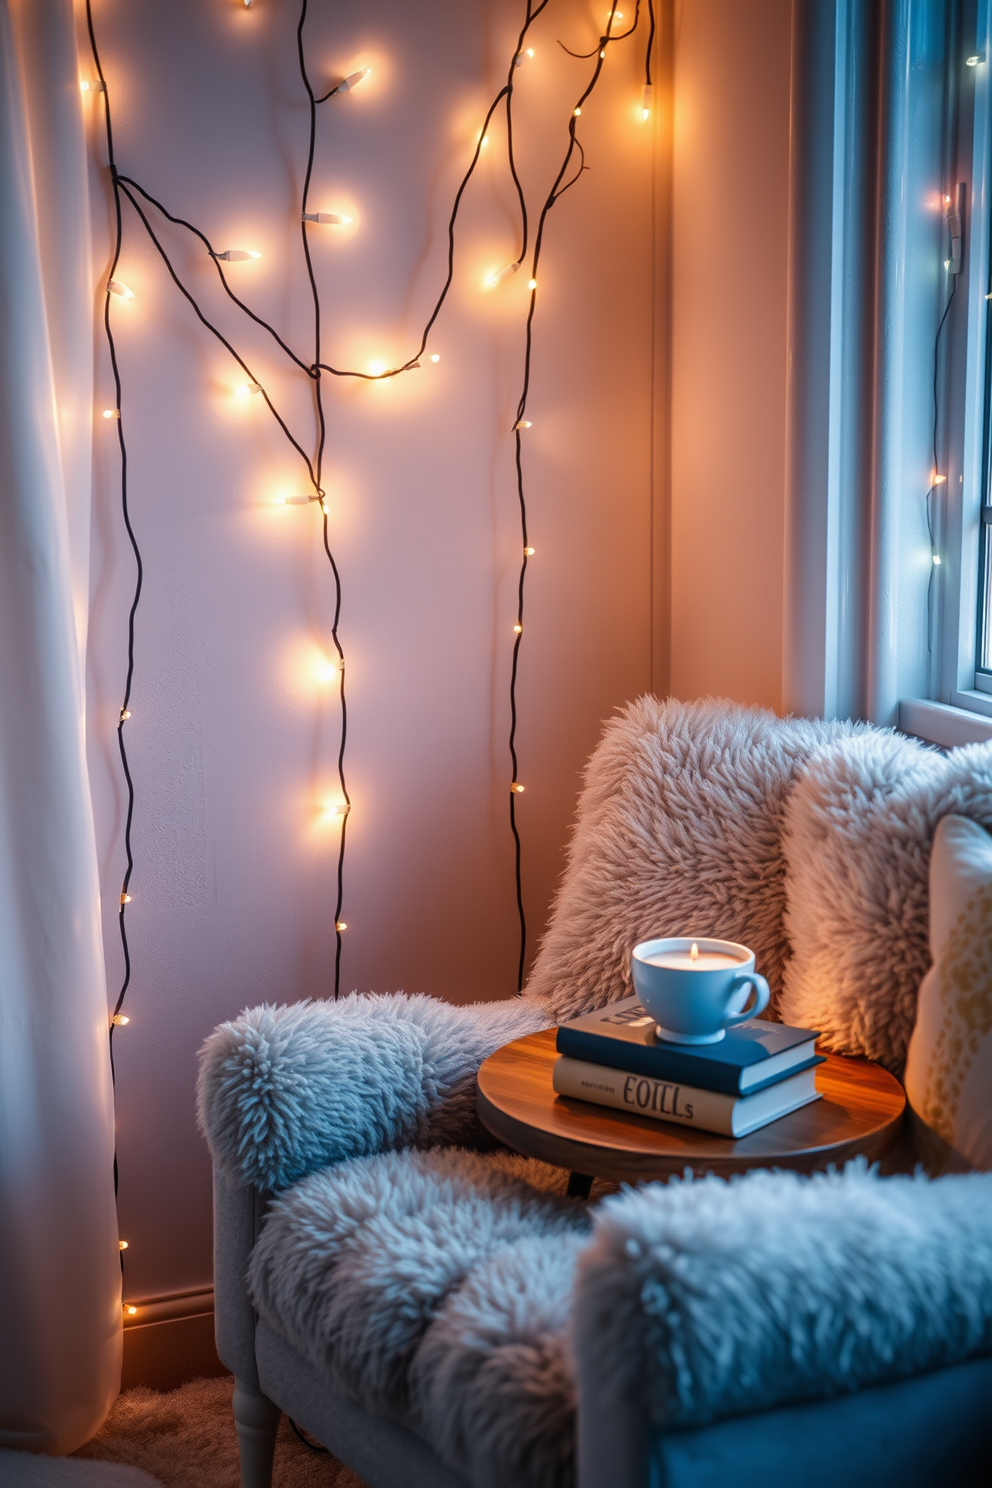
(185, 1438)
(710, 1299)
(678, 833)
(284, 1091)
(435, 1285)
(857, 833)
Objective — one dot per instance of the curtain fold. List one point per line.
(59, 1259)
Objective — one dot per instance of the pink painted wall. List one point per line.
(233, 737)
(730, 215)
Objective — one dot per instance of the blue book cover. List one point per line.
(746, 1059)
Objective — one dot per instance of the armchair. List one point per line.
(439, 1313)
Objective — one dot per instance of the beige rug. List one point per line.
(186, 1439)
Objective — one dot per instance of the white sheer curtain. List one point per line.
(59, 1268)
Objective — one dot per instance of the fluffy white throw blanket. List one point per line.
(438, 1288)
(678, 832)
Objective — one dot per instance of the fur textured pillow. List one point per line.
(435, 1286)
(857, 834)
(286, 1090)
(677, 833)
(709, 1299)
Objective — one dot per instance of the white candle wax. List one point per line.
(685, 961)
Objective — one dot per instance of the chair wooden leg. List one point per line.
(257, 1421)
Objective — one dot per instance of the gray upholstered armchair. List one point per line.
(439, 1313)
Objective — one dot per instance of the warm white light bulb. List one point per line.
(501, 274)
(92, 85)
(523, 424)
(602, 55)
(974, 59)
(125, 899)
(517, 788)
(351, 81)
(111, 413)
(576, 112)
(530, 51)
(328, 219)
(237, 255)
(116, 287)
(646, 93)
(130, 1309)
(329, 670)
(518, 630)
(435, 356)
(484, 141)
(125, 714)
(529, 552)
(121, 1019)
(340, 925)
(122, 1245)
(938, 480)
(377, 368)
(341, 809)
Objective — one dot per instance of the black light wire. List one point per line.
(558, 189)
(936, 470)
(128, 186)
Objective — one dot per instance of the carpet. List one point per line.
(185, 1439)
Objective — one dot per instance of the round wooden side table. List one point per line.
(860, 1113)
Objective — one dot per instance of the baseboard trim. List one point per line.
(169, 1307)
(169, 1341)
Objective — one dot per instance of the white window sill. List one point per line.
(939, 723)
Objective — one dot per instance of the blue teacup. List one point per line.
(696, 989)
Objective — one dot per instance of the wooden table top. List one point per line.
(860, 1112)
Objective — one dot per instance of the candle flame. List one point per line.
(694, 953)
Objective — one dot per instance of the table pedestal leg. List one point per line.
(579, 1186)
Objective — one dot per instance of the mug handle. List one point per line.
(761, 996)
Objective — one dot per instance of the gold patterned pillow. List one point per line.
(949, 1067)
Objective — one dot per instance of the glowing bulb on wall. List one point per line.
(351, 81)
(340, 925)
(291, 500)
(520, 60)
(130, 1309)
(516, 788)
(236, 255)
(938, 480)
(120, 1020)
(248, 388)
(483, 142)
(435, 356)
(974, 59)
(500, 274)
(111, 413)
(518, 630)
(328, 670)
(529, 552)
(377, 368)
(122, 1245)
(92, 85)
(936, 559)
(328, 219)
(646, 92)
(125, 714)
(117, 288)
(523, 424)
(125, 899)
(337, 808)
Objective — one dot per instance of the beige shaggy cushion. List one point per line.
(949, 1068)
(857, 835)
(678, 833)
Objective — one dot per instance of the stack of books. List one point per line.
(756, 1073)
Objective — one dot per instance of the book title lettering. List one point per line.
(652, 1095)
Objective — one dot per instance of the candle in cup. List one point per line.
(693, 960)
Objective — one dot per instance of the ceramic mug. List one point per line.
(695, 998)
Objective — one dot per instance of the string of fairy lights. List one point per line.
(146, 207)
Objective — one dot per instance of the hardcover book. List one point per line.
(730, 1116)
(747, 1058)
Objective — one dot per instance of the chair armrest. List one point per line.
(703, 1300)
(237, 1222)
(284, 1091)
